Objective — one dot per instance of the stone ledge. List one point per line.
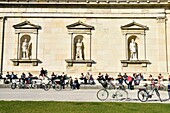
(71, 62)
(142, 62)
(34, 62)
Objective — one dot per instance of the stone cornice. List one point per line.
(98, 4)
(106, 2)
(82, 5)
(89, 1)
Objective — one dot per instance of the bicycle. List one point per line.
(20, 84)
(143, 93)
(37, 83)
(55, 85)
(120, 93)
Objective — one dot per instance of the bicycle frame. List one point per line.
(148, 94)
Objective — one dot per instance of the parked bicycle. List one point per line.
(144, 94)
(37, 83)
(119, 94)
(53, 84)
(20, 84)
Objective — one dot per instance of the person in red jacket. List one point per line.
(130, 80)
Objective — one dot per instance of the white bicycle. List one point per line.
(119, 94)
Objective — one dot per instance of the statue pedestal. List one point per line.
(70, 62)
(34, 62)
(143, 63)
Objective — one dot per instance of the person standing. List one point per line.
(42, 73)
(169, 88)
(62, 82)
(130, 80)
(53, 77)
(71, 82)
(23, 78)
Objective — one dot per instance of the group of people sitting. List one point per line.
(123, 79)
(61, 79)
(64, 80)
(134, 79)
(87, 79)
(23, 78)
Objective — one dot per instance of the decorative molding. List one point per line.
(26, 25)
(161, 19)
(80, 25)
(134, 26)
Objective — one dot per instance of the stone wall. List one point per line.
(108, 41)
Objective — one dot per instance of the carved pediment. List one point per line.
(80, 25)
(26, 25)
(134, 26)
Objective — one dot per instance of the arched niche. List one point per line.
(27, 34)
(75, 56)
(29, 49)
(137, 32)
(80, 31)
(135, 38)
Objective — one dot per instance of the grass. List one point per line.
(81, 107)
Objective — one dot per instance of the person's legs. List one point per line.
(85, 81)
(169, 94)
(169, 90)
(130, 85)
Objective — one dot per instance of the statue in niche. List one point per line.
(133, 50)
(26, 50)
(25, 45)
(79, 50)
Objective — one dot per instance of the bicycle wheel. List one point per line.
(121, 95)
(57, 87)
(47, 87)
(158, 94)
(142, 95)
(13, 85)
(33, 85)
(102, 94)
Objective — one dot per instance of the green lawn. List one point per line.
(81, 107)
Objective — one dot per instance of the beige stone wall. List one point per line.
(108, 41)
(1, 21)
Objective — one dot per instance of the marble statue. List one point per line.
(79, 50)
(25, 46)
(133, 50)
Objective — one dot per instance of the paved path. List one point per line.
(81, 95)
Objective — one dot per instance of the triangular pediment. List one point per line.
(26, 25)
(134, 26)
(80, 25)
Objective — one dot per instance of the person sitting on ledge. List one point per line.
(92, 80)
(150, 78)
(13, 76)
(8, 77)
(76, 84)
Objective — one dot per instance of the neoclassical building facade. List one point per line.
(74, 36)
